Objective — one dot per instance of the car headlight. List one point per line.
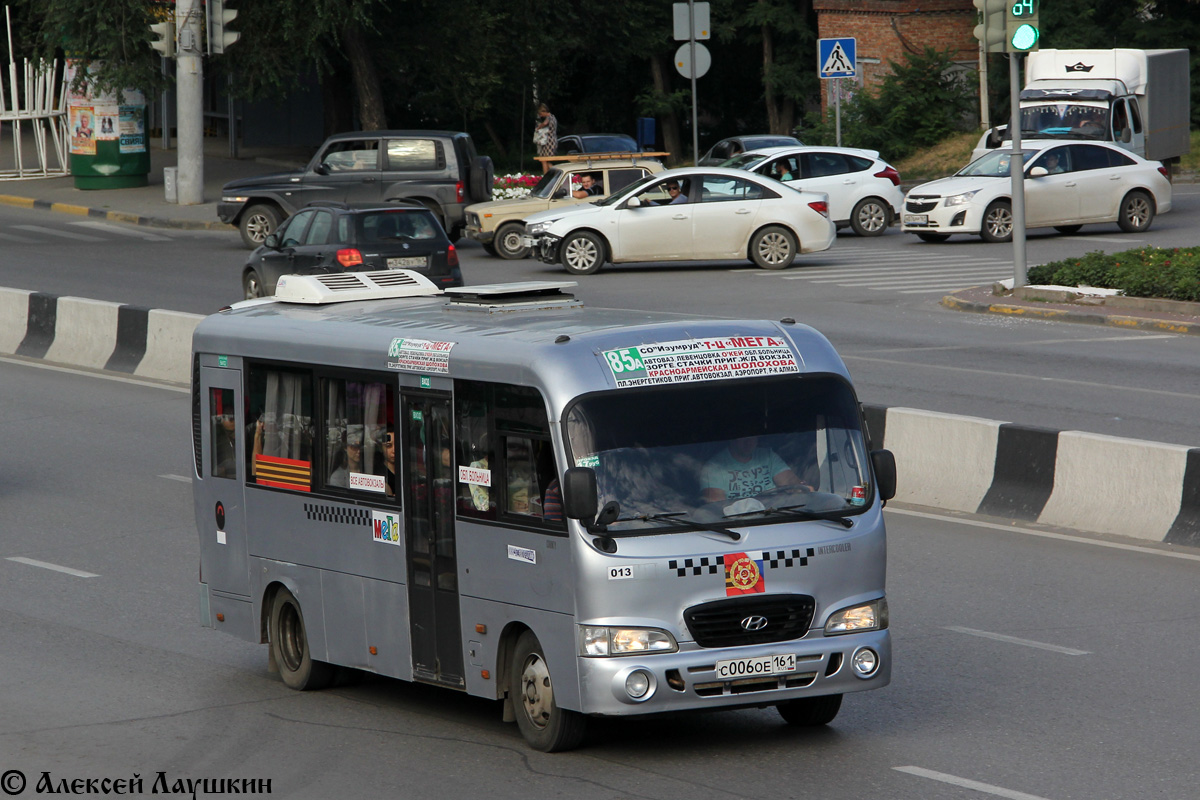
(959, 199)
(234, 199)
(533, 229)
(603, 641)
(872, 616)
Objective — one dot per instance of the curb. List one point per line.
(113, 216)
(1065, 479)
(956, 303)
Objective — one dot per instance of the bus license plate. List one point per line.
(916, 219)
(750, 667)
(401, 263)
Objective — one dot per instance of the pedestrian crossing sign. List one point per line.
(836, 58)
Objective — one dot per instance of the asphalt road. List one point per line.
(1027, 666)
(876, 299)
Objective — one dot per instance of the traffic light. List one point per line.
(219, 17)
(165, 44)
(991, 31)
(1021, 30)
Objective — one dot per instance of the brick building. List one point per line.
(885, 30)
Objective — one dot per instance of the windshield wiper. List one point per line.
(669, 518)
(797, 511)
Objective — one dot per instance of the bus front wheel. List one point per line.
(289, 646)
(545, 726)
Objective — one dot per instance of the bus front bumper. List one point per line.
(688, 679)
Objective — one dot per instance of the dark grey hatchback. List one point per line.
(335, 238)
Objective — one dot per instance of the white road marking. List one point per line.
(179, 478)
(81, 237)
(1023, 376)
(108, 376)
(1062, 537)
(966, 783)
(11, 238)
(1129, 337)
(1000, 637)
(123, 230)
(78, 573)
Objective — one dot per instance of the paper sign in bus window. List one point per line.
(420, 355)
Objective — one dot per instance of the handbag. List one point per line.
(541, 136)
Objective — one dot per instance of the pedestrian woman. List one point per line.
(545, 135)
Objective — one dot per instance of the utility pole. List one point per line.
(189, 103)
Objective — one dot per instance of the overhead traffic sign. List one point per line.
(836, 58)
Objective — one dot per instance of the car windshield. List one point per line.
(757, 450)
(546, 184)
(994, 164)
(743, 161)
(1064, 121)
(383, 226)
(771, 141)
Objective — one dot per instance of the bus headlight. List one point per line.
(872, 616)
(604, 641)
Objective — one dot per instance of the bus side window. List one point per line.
(280, 451)
(355, 420)
(223, 434)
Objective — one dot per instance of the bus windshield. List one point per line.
(725, 452)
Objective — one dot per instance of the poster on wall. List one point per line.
(83, 134)
(133, 129)
(105, 122)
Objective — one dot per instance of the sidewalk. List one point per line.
(1059, 306)
(147, 205)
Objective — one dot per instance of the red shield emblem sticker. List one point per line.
(743, 575)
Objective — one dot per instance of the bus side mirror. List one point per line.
(580, 496)
(884, 465)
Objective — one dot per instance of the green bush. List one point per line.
(1169, 273)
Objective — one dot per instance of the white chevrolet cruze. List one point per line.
(1068, 184)
(691, 214)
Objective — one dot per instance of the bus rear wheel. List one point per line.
(289, 646)
(545, 726)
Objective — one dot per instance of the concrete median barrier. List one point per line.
(1068, 479)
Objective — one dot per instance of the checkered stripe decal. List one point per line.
(697, 566)
(772, 559)
(340, 514)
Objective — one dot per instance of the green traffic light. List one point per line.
(1025, 37)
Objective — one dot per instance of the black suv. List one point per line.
(332, 237)
(438, 169)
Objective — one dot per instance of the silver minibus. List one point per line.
(575, 511)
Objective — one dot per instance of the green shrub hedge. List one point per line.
(1170, 273)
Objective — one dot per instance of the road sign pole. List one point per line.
(692, 44)
(837, 109)
(1017, 169)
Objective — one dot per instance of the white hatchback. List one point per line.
(691, 214)
(1067, 185)
(864, 191)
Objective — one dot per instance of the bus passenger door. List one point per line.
(222, 437)
(428, 464)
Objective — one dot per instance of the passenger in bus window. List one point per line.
(552, 510)
(389, 461)
(347, 459)
(743, 469)
(224, 448)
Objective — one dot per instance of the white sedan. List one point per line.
(864, 191)
(1067, 185)
(692, 214)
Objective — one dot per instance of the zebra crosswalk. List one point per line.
(902, 271)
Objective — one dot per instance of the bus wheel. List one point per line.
(810, 712)
(545, 726)
(289, 645)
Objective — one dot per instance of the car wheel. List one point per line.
(810, 711)
(488, 248)
(1068, 229)
(1137, 212)
(997, 222)
(544, 725)
(773, 248)
(257, 223)
(252, 285)
(582, 253)
(933, 237)
(508, 241)
(870, 217)
(289, 646)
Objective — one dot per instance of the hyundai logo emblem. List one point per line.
(754, 623)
